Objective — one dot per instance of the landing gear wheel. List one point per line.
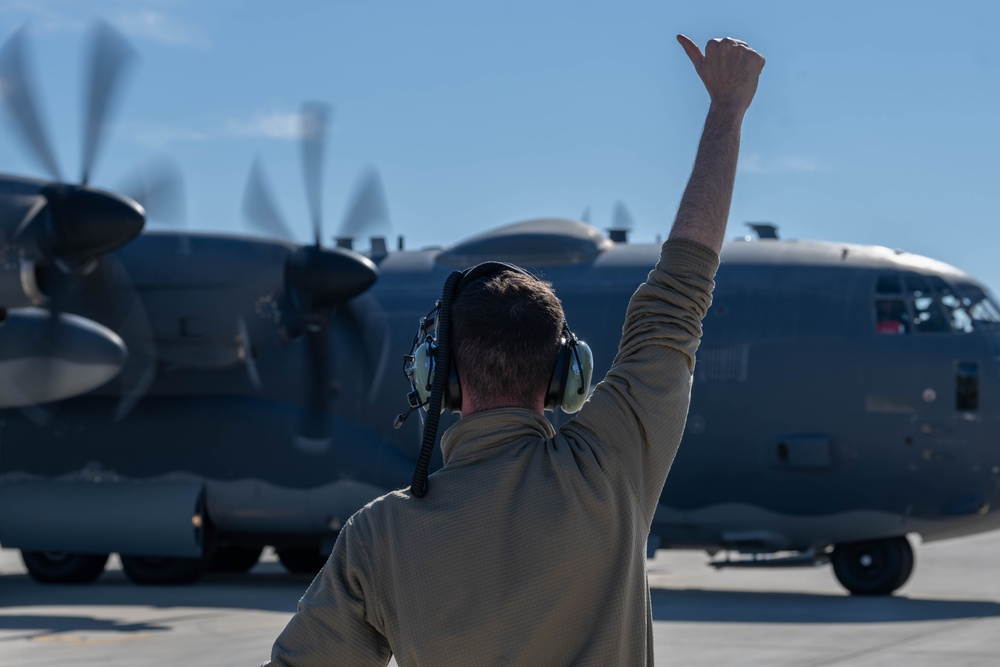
(160, 571)
(234, 560)
(878, 567)
(301, 560)
(63, 567)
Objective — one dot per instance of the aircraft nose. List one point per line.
(42, 360)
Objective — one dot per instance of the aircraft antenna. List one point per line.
(764, 230)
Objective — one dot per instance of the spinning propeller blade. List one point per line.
(259, 207)
(109, 58)
(19, 98)
(313, 137)
(317, 280)
(367, 210)
(158, 186)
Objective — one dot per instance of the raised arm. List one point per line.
(729, 69)
(636, 415)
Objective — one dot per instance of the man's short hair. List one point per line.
(506, 329)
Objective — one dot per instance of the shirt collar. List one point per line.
(478, 432)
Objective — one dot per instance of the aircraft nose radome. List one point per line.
(43, 361)
(89, 222)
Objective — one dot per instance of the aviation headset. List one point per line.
(434, 382)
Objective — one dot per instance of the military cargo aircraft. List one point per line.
(186, 399)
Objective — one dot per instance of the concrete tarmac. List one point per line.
(948, 614)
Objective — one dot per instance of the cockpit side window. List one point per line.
(891, 317)
(891, 314)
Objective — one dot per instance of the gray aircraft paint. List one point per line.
(807, 428)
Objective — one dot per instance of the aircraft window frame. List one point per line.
(888, 283)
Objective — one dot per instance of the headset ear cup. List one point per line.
(423, 371)
(557, 383)
(581, 371)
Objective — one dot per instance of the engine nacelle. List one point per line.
(47, 358)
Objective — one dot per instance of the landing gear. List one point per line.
(63, 567)
(234, 559)
(301, 560)
(160, 571)
(878, 567)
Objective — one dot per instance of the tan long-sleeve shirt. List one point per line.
(530, 548)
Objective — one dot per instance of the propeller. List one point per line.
(71, 228)
(317, 280)
(73, 224)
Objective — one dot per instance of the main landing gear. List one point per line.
(160, 571)
(878, 567)
(302, 560)
(63, 567)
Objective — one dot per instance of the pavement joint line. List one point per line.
(910, 638)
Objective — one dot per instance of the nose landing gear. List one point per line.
(878, 567)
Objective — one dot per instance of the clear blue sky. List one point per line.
(875, 122)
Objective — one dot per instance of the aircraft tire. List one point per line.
(301, 560)
(63, 567)
(877, 567)
(234, 559)
(160, 571)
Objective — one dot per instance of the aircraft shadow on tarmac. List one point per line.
(704, 606)
(262, 591)
(270, 589)
(35, 623)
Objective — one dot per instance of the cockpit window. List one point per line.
(952, 303)
(916, 303)
(928, 315)
(982, 308)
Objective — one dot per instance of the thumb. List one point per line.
(691, 49)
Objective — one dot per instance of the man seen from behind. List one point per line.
(530, 548)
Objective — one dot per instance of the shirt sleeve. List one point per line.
(637, 413)
(333, 624)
